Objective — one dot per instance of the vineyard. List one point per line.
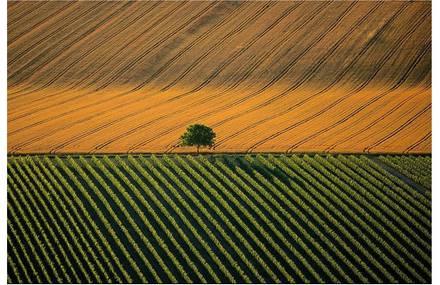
(218, 218)
(418, 169)
(267, 76)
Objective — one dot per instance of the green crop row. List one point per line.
(360, 204)
(167, 214)
(211, 219)
(261, 245)
(35, 226)
(414, 168)
(82, 211)
(77, 234)
(384, 180)
(127, 234)
(332, 196)
(20, 262)
(220, 219)
(142, 235)
(382, 229)
(48, 191)
(187, 207)
(101, 216)
(281, 221)
(268, 185)
(287, 244)
(229, 225)
(158, 220)
(305, 194)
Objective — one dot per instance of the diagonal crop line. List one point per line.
(35, 226)
(30, 67)
(196, 41)
(169, 215)
(73, 209)
(350, 94)
(109, 227)
(320, 62)
(177, 209)
(239, 101)
(156, 45)
(150, 227)
(97, 46)
(103, 185)
(98, 43)
(45, 19)
(151, 211)
(342, 169)
(83, 120)
(253, 18)
(228, 256)
(400, 128)
(26, 12)
(122, 48)
(294, 236)
(85, 213)
(29, 48)
(420, 141)
(325, 192)
(21, 244)
(12, 249)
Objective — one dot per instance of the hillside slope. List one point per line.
(267, 76)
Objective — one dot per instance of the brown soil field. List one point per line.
(117, 77)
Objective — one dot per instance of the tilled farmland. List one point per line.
(218, 219)
(117, 77)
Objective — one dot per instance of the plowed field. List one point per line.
(266, 76)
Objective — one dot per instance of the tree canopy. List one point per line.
(198, 135)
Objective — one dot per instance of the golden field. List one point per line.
(105, 77)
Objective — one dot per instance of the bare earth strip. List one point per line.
(100, 77)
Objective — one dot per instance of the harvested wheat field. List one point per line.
(100, 77)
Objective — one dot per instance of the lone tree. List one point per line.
(198, 135)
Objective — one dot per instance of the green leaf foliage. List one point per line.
(198, 135)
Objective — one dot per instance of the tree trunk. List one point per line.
(198, 149)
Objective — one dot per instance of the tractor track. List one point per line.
(320, 62)
(356, 90)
